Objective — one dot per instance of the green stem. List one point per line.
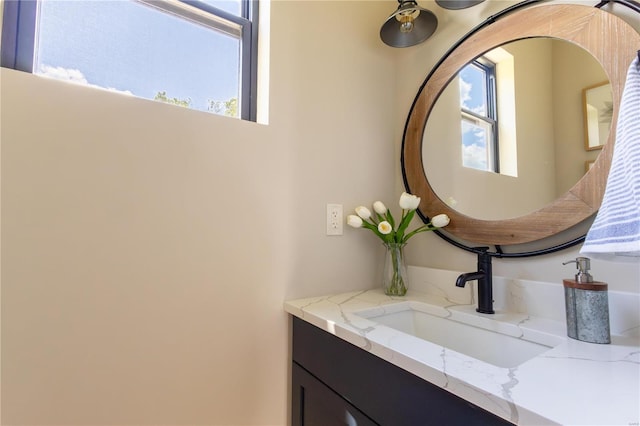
(423, 228)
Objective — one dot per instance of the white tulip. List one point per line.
(354, 221)
(379, 207)
(363, 212)
(409, 202)
(384, 227)
(440, 220)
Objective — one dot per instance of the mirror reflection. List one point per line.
(597, 106)
(507, 135)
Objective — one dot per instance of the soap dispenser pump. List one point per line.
(587, 305)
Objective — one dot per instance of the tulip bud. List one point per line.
(440, 220)
(354, 221)
(379, 207)
(363, 212)
(409, 202)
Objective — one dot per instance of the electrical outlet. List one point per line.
(334, 219)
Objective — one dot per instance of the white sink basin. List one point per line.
(489, 346)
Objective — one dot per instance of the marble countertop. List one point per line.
(573, 383)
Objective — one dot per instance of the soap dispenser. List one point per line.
(587, 305)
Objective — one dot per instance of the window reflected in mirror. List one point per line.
(487, 105)
(479, 119)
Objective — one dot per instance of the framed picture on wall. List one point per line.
(597, 107)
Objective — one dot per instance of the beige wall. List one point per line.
(147, 249)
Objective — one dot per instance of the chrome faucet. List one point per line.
(485, 284)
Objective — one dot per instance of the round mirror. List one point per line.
(610, 40)
(508, 128)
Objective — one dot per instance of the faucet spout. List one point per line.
(469, 276)
(485, 283)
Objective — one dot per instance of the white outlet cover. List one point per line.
(334, 219)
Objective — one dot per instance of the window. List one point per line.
(198, 54)
(479, 121)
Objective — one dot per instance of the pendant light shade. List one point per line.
(457, 4)
(409, 25)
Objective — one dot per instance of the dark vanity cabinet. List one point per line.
(337, 383)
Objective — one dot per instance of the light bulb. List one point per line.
(406, 19)
(406, 24)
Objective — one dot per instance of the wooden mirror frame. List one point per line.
(611, 40)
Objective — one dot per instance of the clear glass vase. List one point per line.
(394, 274)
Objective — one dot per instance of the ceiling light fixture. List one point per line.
(457, 4)
(409, 25)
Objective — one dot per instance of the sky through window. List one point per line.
(130, 47)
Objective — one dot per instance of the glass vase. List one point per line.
(394, 274)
